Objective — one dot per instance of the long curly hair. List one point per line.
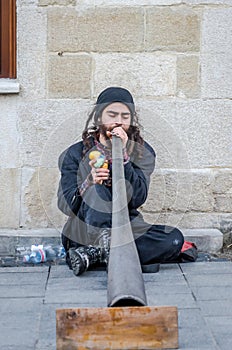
(92, 131)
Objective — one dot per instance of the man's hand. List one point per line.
(120, 132)
(98, 174)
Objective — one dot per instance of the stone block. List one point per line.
(180, 191)
(90, 3)
(172, 29)
(31, 51)
(211, 280)
(188, 84)
(206, 240)
(48, 127)
(69, 76)
(220, 327)
(57, 2)
(187, 220)
(98, 29)
(10, 239)
(199, 125)
(143, 74)
(163, 133)
(204, 268)
(223, 203)
(209, 293)
(208, 2)
(10, 195)
(216, 74)
(222, 181)
(216, 59)
(9, 135)
(39, 198)
(216, 24)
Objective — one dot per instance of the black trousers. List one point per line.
(155, 243)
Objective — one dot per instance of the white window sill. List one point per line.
(9, 86)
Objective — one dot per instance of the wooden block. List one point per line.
(118, 328)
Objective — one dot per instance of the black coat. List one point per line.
(74, 170)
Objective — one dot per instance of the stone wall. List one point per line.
(175, 57)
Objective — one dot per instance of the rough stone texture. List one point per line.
(98, 30)
(57, 2)
(223, 203)
(182, 191)
(10, 197)
(207, 240)
(216, 55)
(172, 29)
(223, 181)
(31, 50)
(9, 137)
(48, 127)
(39, 198)
(220, 221)
(216, 75)
(188, 79)
(144, 74)
(175, 56)
(69, 76)
(209, 2)
(30, 297)
(194, 127)
(90, 3)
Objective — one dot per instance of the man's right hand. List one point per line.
(98, 174)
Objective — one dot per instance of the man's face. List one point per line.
(116, 114)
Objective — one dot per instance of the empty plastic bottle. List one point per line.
(39, 253)
(36, 256)
(54, 252)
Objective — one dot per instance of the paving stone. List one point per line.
(24, 291)
(162, 298)
(80, 298)
(171, 288)
(16, 279)
(16, 305)
(216, 307)
(47, 328)
(204, 308)
(201, 339)
(18, 337)
(221, 329)
(26, 269)
(189, 320)
(207, 268)
(213, 293)
(210, 280)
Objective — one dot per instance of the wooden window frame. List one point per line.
(8, 39)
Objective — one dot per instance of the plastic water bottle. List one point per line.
(38, 253)
(54, 252)
(36, 256)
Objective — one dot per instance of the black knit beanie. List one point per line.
(116, 94)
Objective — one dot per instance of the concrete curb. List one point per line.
(207, 240)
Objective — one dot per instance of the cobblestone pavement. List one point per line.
(29, 297)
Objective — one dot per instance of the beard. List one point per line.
(104, 129)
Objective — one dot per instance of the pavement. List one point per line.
(30, 295)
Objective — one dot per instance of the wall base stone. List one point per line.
(207, 240)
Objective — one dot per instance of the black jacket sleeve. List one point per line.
(137, 176)
(69, 199)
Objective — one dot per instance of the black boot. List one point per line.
(83, 257)
(103, 242)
